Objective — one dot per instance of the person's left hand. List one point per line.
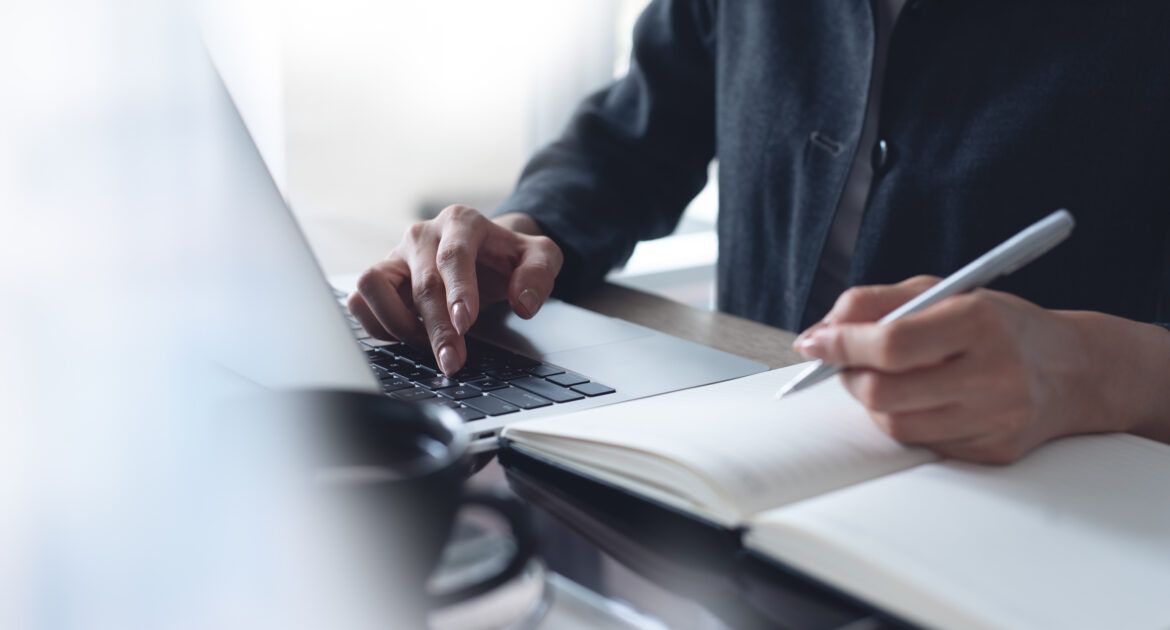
(984, 376)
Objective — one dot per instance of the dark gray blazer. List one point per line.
(995, 112)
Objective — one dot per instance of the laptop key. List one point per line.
(393, 367)
(488, 383)
(414, 372)
(422, 360)
(389, 362)
(468, 414)
(593, 389)
(384, 371)
(413, 394)
(441, 402)
(506, 374)
(407, 351)
(460, 392)
(395, 383)
(568, 379)
(437, 382)
(466, 375)
(521, 398)
(490, 406)
(544, 369)
(541, 387)
(422, 357)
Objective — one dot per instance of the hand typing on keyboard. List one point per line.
(429, 290)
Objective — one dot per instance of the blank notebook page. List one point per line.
(1076, 535)
(759, 451)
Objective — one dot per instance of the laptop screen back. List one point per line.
(278, 322)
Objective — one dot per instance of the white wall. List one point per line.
(392, 104)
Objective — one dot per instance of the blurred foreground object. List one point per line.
(131, 495)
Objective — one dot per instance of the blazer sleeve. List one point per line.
(634, 154)
(1163, 316)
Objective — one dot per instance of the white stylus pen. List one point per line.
(1009, 256)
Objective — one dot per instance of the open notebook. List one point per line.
(1075, 535)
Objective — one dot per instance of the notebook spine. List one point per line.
(711, 543)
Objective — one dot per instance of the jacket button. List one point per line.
(881, 156)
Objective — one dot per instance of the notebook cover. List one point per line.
(684, 552)
(712, 546)
(678, 572)
(770, 584)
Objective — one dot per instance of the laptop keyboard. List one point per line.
(494, 382)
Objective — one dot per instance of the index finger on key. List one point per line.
(455, 259)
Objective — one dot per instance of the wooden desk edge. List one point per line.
(736, 335)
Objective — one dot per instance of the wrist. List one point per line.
(519, 222)
(1125, 374)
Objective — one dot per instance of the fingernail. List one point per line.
(807, 333)
(801, 338)
(530, 301)
(813, 344)
(447, 360)
(461, 317)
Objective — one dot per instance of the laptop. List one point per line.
(563, 360)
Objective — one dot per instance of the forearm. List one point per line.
(1130, 373)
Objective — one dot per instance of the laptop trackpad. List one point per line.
(556, 328)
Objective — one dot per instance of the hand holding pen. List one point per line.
(971, 373)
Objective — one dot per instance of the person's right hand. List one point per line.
(431, 287)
